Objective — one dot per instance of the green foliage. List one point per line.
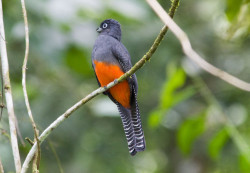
(244, 163)
(170, 95)
(233, 8)
(217, 143)
(108, 13)
(121, 17)
(156, 117)
(78, 60)
(189, 131)
(176, 79)
(238, 13)
(65, 27)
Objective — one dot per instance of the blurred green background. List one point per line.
(193, 122)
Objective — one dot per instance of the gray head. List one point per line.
(110, 27)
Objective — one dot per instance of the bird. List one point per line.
(110, 60)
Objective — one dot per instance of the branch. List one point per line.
(98, 91)
(5, 133)
(24, 82)
(8, 95)
(59, 164)
(1, 94)
(187, 49)
(1, 167)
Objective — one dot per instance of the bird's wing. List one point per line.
(121, 54)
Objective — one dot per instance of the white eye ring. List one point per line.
(105, 25)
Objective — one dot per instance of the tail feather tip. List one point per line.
(138, 149)
(132, 153)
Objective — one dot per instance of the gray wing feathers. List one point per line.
(121, 54)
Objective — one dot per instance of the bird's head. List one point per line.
(110, 27)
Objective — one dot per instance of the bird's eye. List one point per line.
(105, 25)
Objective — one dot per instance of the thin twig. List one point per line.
(34, 165)
(29, 141)
(187, 49)
(56, 156)
(19, 134)
(93, 94)
(24, 82)
(1, 104)
(5, 133)
(1, 167)
(8, 94)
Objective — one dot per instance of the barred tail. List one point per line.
(131, 121)
(128, 128)
(137, 126)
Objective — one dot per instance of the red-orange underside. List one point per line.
(107, 73)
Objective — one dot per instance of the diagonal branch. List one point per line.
(8, 94)
(98, 91)
(24, 81)
(187, 49)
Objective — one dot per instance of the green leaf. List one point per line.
(189, 131)
(169, 95)
(176, 80)
(79, 61)
(244, 163)
(155, 117)
(232, 9)
(66, 28)
(183, 95)
(217, 142)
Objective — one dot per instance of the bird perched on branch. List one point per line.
(110, 60)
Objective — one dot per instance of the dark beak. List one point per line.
(99, 30)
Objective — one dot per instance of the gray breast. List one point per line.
(103, 49)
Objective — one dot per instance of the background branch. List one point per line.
(37, 160)
(2, 102)
(1, 167)
(187, 49)
(8, 94)
(59, 164)
(98, 91)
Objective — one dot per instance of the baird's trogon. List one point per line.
(110, 60)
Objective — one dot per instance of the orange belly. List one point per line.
(107, 73)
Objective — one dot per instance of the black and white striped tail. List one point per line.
(132, 126)
(136, 120)
(128, 128)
